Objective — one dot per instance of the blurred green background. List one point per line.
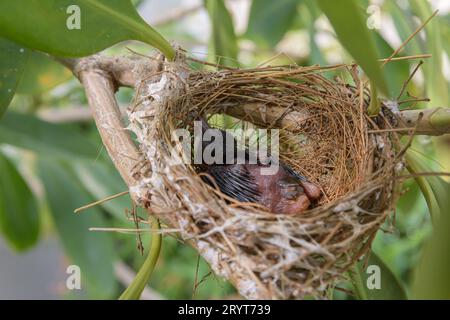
(50, 149)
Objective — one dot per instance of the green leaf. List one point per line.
(309, 17)
(432, 274)
(445, 27)
(28, 132)
(52, 26)
(91, 251)
(352, 32)
(223, 35)
(13, 59)
(435, 189)
(42, 74)
(390, 287)
(137, 3)
(270, 20)
(19, 220)
(436, 84)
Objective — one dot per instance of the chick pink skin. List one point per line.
(283, 194)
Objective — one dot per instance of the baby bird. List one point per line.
(284, 192)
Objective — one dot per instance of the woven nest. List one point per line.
(325, 135)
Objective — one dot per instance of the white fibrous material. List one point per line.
(392, 105)
(248, 288)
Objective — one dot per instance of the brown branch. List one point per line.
(434, 122)
(99, 87)
(124, 71)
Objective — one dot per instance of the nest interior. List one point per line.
(325, 135)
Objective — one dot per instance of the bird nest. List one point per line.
(325, 135)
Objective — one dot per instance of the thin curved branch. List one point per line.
(99, 88)
(123, 71)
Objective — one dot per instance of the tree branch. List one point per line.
(435, 121)
(126, 71)
(99, 88)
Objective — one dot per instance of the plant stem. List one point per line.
(357, 282)
(133, 292)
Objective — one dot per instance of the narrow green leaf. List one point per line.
(19, 219)
(270, 20)
(358, 283)
(352, 32)
(223, 35)
(91, 251)
(309, 17)
(435, 189)
(444, 24)
(436, 84)
(432, 274)
(390, 288)
(76, 28)
(13, 59)
(42, 74)
(137, 3)
(28, 132)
